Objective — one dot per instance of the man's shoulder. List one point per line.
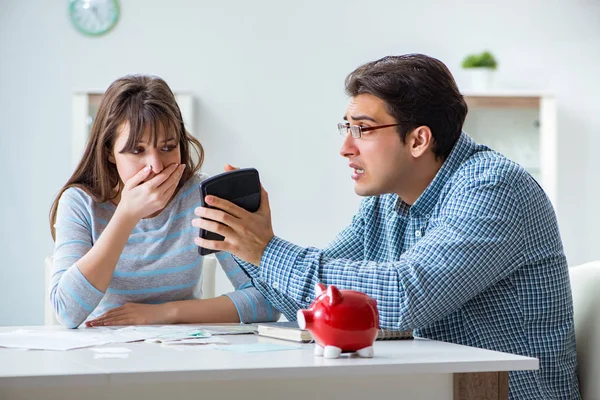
(500, 177)
(488, 166)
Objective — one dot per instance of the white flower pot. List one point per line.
(482, 79)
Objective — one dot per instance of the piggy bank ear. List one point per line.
(335, 296)
(319, 288)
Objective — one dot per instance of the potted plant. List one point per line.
(481, 67)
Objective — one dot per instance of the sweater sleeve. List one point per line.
(73, 298)
(251, 305)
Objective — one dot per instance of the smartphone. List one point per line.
(241, 187)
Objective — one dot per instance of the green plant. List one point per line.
(483, 60)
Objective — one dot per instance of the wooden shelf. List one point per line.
(95, 99)
(502, 101)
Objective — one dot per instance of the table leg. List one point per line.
(481, 385)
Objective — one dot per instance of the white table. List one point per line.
(412, 369)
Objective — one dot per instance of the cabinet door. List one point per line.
(513, 132)
(521, 128)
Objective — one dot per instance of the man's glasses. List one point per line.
(357, 131)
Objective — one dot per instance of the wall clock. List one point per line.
(94, 17)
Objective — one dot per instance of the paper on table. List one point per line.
(167, 332)
(229, 329)
(179, 335)
(53, 340)
(210, 340)
(183, 347)
(88, 337)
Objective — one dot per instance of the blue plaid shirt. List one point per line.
(476, 260)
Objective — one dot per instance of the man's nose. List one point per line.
(348, 148)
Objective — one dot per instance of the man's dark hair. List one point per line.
(417, 90)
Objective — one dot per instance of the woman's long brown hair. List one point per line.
(146, 103)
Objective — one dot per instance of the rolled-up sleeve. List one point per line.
(251, 304)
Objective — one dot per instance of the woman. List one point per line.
(124, 247)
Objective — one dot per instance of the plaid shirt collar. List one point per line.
(462, 150)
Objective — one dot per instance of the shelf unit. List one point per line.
(520, 125)
(85, 106)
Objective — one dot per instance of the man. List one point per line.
(452, 239)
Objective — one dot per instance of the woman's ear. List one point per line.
(110, 156)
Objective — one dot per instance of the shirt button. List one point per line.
(427, 216)
(418, 233)
(276, 285)
(307, 299)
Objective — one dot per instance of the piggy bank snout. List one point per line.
(305, 318)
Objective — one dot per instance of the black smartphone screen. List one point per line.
(241, 187)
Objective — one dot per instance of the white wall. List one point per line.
(269, 77)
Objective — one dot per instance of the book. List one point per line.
(289, 330)
(284, 330)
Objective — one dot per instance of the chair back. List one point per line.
(49, 316)
(585, 285)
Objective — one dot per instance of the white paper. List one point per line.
(173, 346)
(44, 339)
(210, 340)
(229, 329)
(50, 340)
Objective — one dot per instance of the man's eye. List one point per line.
(363, 131)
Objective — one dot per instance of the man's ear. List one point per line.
(420, 140)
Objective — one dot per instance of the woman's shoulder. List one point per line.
(197, 178)
(75, 201)
(189, 191)
(194, 181)
(76, 195)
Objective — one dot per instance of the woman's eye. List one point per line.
(168, 148)
(139, 150)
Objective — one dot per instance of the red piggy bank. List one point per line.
(341, 321)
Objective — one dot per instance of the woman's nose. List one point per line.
(156, 162)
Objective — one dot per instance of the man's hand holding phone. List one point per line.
(246, 234)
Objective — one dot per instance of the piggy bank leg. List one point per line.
(318, 350)
(332, 352)
(367, 352)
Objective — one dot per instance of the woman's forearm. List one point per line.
(98, 264)
(218, 310)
